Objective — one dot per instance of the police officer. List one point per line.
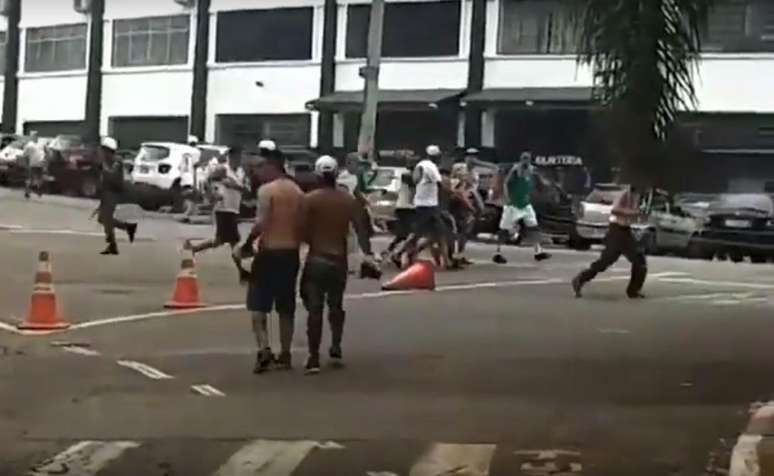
(112, 180)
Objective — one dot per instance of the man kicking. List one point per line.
(517, 208)
(112, 181)
(329, 212)
(620, 241)
(229, 179)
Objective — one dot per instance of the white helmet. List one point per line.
(109, 143)
(326, 164)
(433, 151)
(267, 144)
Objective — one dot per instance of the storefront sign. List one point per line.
(558, 160)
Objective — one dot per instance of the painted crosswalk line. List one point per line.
(454, 459)
(86, 458)
(267, 458)
(207, 390)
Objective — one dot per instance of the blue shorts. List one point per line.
(273, 282)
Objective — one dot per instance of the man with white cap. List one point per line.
(328, 214)
(112, 181)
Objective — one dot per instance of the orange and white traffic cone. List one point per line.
(43, 314)
(186, 292)
(419, 275)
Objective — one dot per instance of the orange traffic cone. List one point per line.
(419, 275)
(186, 292)
(43, 314)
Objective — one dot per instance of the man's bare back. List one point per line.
(328, 215)
(282, 200)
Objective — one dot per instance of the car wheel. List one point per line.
(89, 187)
(757, 258)
(736, 256)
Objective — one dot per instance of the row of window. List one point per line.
(411, 29)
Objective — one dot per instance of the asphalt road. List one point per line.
(500, 371)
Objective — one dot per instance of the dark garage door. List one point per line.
(54, 128)
(130, 132)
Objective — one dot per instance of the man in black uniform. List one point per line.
(112, 179)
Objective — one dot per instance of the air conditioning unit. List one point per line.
(185, 3)
(82, 6)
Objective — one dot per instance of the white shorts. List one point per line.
(513, 215)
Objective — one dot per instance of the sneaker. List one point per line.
(131, 230)
(263, 361)
(336, 356)
(110, 250)
(542, 256)
(284, 361)
(312, 366)
(499, 259)
(577, 286)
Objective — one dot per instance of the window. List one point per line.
(537, 27)
(264, 35)
(736, 26)
(287, 130)
(3, 40)
(56, 48)
(151, 41)
(417, 29)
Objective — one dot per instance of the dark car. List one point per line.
(553, 207)
(739, 226)
(72, 166)
(12, 169)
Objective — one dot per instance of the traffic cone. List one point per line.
(43, 314)
(419, 275)
(186, 292)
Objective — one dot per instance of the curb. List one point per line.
(753, 454)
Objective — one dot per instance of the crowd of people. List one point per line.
(436, 207)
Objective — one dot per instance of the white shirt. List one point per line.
(347, 181)
(230, 199)
(35, 154)
(428, 178)
(405, 196)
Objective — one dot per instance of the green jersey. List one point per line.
(519, 190)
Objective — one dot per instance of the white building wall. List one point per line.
(736, 83)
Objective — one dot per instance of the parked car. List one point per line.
(12, 171)
(384, 183)
(164, 173)
(739, 226)
(675, 225)
(73, 168)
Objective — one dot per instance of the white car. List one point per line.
(164, 172)
(385, 182)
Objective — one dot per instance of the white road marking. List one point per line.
(86, 458)
(329, 445)
(207, 390)
(266, 458)
(381, 473)
(372, 295)
(549, 462)
(703, 282)
(75, 349)
(614, 331)
(144, 369)
(454, 459)
(4, 227)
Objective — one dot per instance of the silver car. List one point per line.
(675, 225)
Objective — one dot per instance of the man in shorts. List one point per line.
(329, 212)
(275, 264)
(229, 181)
(517, 208)
(35, 157)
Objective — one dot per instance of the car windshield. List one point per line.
(153, 153)
(604, 196)
(383, 177)
(743, 202)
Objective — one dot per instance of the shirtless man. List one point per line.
(329, 212)
(275, 265)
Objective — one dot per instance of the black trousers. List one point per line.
(620, 241)
(107, 209)
(324, 279)
(404, 223)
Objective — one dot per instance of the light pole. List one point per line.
(366, 144)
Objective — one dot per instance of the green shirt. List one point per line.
(519, 190)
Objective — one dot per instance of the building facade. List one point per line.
(500, 75)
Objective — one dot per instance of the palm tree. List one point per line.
(644, 56)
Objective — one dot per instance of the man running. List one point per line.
(275, 265)
(35, 157)
(329, 213)
(517, 208)
(620, 241)
(404, 213)
(229, 180)
(112, 179)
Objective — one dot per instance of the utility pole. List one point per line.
(367, 141)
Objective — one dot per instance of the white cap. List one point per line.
(433, 150)
(109, 143)
(193, 140)
(267, 144)
(325, 164)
